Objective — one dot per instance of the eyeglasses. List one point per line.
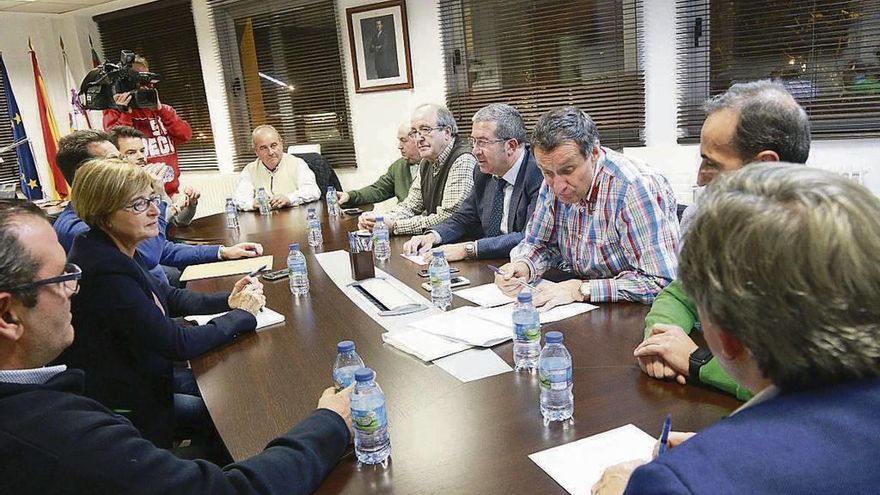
(483, 143)
(140, 205)
(69, 280)
(423, 131)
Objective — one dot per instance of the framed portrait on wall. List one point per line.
(379, 40)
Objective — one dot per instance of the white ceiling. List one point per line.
(47, 6)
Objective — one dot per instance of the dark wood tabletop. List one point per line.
(446, 436)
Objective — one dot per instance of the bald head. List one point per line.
(268, 145)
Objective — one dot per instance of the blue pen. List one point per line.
(664, 435)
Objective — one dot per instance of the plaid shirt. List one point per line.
(622, 237)
(410, 216)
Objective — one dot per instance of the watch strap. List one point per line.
(697, 360)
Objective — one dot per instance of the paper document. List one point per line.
(415, 258)
(386, 293)
(463, 325)
(265, 318)
(489, 295)
(423, 345)
(503, 315)
(473, 364)
(224, 268)
(578, 465)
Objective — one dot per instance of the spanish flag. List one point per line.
(58, 188)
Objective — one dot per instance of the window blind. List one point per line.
(9, 167)
(164, 33)
(827, 53)
(283, 66)
(537, 55)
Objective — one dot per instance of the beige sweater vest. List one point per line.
(281, 181)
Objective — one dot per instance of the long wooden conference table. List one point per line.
(447, 437)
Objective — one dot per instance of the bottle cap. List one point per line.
(294, 246)
(364, 375)
(345, 346)
(553, 337)
(380, 218)
(438, 253)
(524, 296)
(310, 210)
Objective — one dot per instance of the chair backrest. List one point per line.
(680, 211)
(324, 173)
(297, 149)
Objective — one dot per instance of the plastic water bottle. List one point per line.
(554, 374)
(316, 238)
(526, 333)
(299, 273)
(231, 214)
(332, 202)
(441, 290)
(372, 444)
(381, 245)
(263, 200)
(347, 362)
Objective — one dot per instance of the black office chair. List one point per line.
(324, 174)
(680, 211)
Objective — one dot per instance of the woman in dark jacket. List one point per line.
(126, 339)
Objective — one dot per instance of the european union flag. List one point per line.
(30, 182)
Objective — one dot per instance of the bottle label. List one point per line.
(369, 421)
(554, 379)
(527, 332)
(380, 235)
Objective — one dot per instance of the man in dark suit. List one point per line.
(782, 262)
(66, 443)
(383, 48)
(504, 194)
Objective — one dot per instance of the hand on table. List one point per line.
(674, 439)
(419, 244)
(665, 354)
(247, 294)
(548, 296)
(241, 250)
(279, 201)
(338, 402)
(615, 478)
(452, 252)
(514, 273)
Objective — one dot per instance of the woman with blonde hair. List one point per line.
(126, 337)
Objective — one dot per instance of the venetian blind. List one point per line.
(283, 66)
(539, 54)
(826, 52)
(164, 33)
(9, 167)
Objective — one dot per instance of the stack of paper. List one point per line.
(503, 315)
(490, 295)
(265, 318)
(224, 268)
(423, 345)
(577, 466)
(464, 325)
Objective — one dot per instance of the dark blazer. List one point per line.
(124, 341)
(819, 441)
(471, 218)
(54, 441)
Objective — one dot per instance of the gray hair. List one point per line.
(509, 123)
(264, 127)
(17, 266)
(784, 257)
(563, 124)
(769, 119)
(444, 116)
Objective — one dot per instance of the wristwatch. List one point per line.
(696, 361)
(584, 289)
(470, 250)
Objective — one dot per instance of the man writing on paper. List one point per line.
(446, 175)
(609, 220)
(395, 182)
(288, 180)
(61, 442)
(504, 193)
(789, 307)
(751, 122)
(77, 148)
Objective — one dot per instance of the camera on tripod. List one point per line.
(106, 80)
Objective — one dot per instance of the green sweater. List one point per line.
(673, 307)
(395, 182)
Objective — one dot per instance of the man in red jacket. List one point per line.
(163, 128)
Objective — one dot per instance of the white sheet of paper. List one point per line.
(386, 293)
(489, 295)
(423, 345)
(415, 258)
(462, 324)
(578, 465)
(265, 318)
(503, 315)
(473, 364)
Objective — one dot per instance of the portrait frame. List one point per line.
(378, 35)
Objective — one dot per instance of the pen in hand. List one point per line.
(501, 272)
(664, 435)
